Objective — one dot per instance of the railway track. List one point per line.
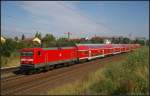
(8, 72)
(9, 69)
(40, 83)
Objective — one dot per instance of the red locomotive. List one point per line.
(33, 59)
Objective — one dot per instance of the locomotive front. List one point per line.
(27, 59)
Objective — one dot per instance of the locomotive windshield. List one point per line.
(26, 53)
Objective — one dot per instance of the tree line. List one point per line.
(49, 40)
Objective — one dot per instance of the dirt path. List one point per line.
(42, 82)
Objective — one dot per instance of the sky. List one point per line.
(80, 18)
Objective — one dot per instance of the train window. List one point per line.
(39, 53)
(86, 52)
(82, 52)
(26, 53)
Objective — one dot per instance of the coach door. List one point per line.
(39, 55)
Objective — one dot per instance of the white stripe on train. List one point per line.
(26, 59)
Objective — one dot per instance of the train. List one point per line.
(35, 59)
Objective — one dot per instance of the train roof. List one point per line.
(91, 46)
(27, 49)
(84, 47)
(50, 48)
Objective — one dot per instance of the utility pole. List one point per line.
(68, 33)
(95, 36)
(144, 41)
(130, 38)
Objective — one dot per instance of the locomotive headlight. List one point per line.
(30, 59)
(23, 59)
(26, 59)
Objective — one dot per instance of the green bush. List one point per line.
(125, 77)
(5, 60)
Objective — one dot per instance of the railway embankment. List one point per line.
(129, 76)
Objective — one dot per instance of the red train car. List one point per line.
(123, 49)
(117, 48)
(44, 58)
(35, 58)
(82, 51)
(91, 51)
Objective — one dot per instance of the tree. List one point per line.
(8, 47)
(126, 40)
(120, 39)
(38, 34)
(97, 40)
(113, 40)
(48, 40)
(61, 42)
(16, 38)
(23, 37)
(139, 41)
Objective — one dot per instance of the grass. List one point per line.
(13, 60)
(128, 77)
(77, 87)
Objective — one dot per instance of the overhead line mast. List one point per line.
(68, 33)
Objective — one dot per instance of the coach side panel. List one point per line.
(68, 54)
